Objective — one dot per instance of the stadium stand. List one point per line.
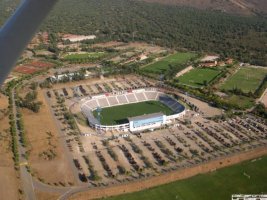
(131, 98)
(140, 96)
(122, 99)
(103, 102)
(89, 104)
(151, 95)
(113, 101)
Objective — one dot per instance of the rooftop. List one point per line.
(159, 114)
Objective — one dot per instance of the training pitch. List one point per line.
(119, 114)
(247, 79)
(175, 59)
(84, 56)
(198, 77)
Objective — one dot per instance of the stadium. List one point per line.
(134, 110)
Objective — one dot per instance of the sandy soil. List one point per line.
(8, 175)
(46, 196)
(38, 127)
(170, 177)
(263, 98)
(184, 71)
(147, 48)
(203, 106)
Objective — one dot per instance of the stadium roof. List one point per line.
(159, 114)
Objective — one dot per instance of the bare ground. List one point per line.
(263, 98)
(8, 175)
(38, 127)
(46, 196)
(170, 177)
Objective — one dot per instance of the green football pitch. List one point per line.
(198, 76)
(245, 178)
(175, 59)
(119, 114)
(93, 55)
(247, 79)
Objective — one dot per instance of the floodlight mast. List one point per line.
(19, 30)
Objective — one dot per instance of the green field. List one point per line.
(247, 79)
(84, 56)
(219, 185)
(119, 114)
(242, 101)
(163, 65)
(198, 76)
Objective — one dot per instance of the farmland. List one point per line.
(119, 114)
(199, 77)
(246, 79)
(174, 60)
(218, 185)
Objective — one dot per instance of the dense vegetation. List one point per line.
(178, 27)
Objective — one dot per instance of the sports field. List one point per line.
(119, 114)
(163, 65)
(198, 77)
(84, 56)
(245, 178)
(247, 79)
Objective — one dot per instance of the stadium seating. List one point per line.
(113, 101)
(103, 102)
(151, 95)
(131, 98)
(122, 99)
(140, 96)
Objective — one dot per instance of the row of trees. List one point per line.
(12, 123)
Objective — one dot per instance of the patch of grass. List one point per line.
(247, 79)
(199, 77)
(219, 185)
(119, 114)
(241, 101)
(163, 65)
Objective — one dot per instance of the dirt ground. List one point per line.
(43, 137)
(263, 98)
(203, 106)
(170, 177)
(46, 196)
(8, 175)
(184, 71)
(147, 48)
(108, 44)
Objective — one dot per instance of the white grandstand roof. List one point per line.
(159, 114)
